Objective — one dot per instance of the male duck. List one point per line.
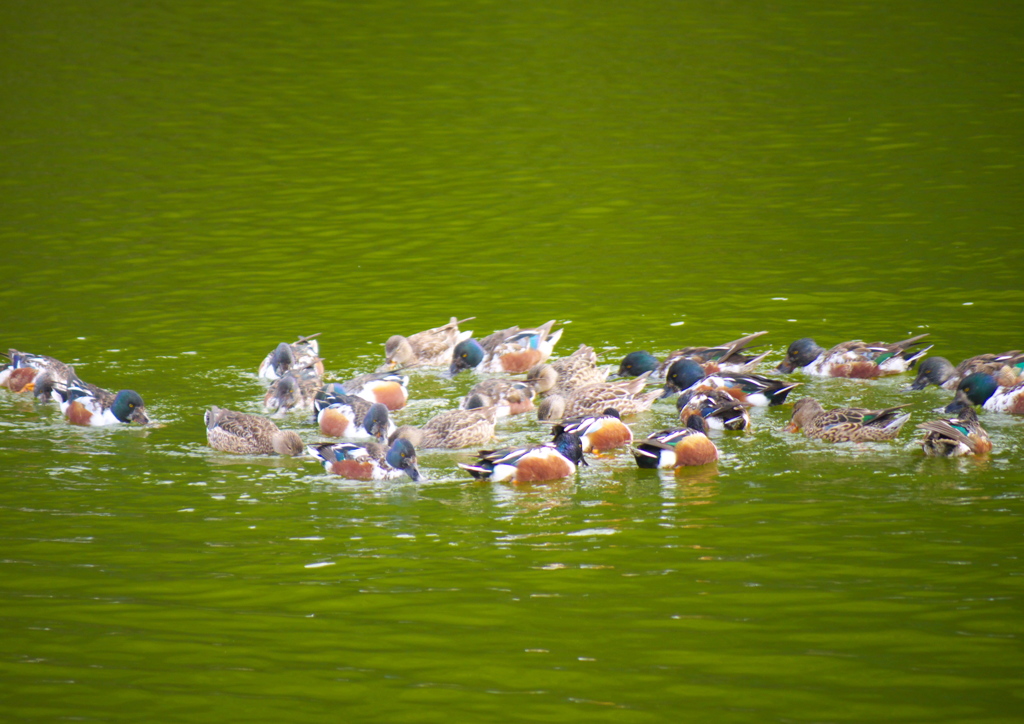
(983, 389)
(19, 375)
(511, 350)
(598, 433)
(89, 405)
(720, 410)
(430, 348)
(677, 448)
(533, 464)
(302, 354)
(686, 374)
(1006, 368)
(728, 357)
(353, 417)
(452, 429)
(846, 424)
(371, 461)
(958, 436)
(388, 388)
(852, 359)
(237, 432)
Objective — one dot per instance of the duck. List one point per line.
(676, 448)
(510, 351)
(599, 433)
(352, 417)
(19, 375)
(567, 374)
(958, 436)
(686, 374)
(1006, 368)
(508, 397)
(852, 359)
(452, 429)
(720, 410)
(294, 390)
(846, 424)
(301, 354)
(92, 406)
(244, 434)
(982, 388)
(430, 348)
(372, 461)
(728, 357)
(388, 388)
(552, 460)
(627, 396)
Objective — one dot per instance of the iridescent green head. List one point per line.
(635, 364)
(978, 387)
(128, 407)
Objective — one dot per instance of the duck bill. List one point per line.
(669, 390)
(414, 473)
(791, 428)
(139, 415)
(785, 367)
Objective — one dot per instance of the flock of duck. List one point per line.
(583, 403)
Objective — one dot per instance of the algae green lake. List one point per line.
(185, 185)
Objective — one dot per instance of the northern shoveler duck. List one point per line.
(1006, 368)
(720, 410)
(958, 436)
(677, 448)
(567, 374)
(19, 375)
(388, 388)
(89, 405)
(686, 374)
(430, 348)
(237, 432)
(511, 350)
(302, 354)
(294, 390)
(452, 429)
(627, 396)
(598, 433)
(353, 417)
(533, 464)
(508, 397)
(846, 424)
(852, 359)
(371, 461)
(983, 389)
(728, 357)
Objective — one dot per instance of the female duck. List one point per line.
(237, 432)
(957, 436)
(846, 424)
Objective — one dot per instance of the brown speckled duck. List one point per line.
(237, 432)
(846, 424)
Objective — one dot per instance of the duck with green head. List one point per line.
(983, 389)
(852, 359)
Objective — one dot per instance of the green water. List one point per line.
(184, 185)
